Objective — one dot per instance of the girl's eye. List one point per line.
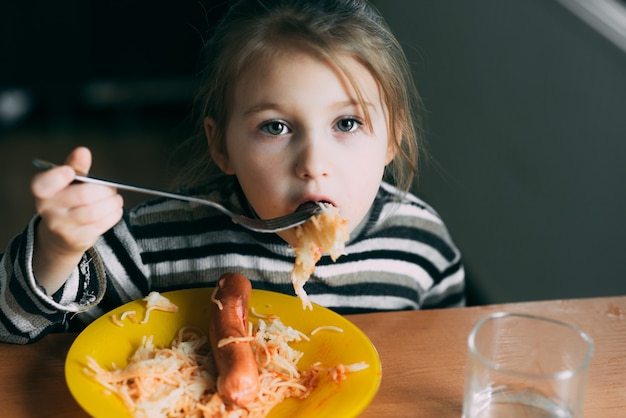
(275, 127)
(348, 125)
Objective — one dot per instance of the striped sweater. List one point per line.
(400, 257)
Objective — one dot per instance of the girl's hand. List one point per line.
(73, 216)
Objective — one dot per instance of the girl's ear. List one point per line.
(392, 150)
(218, 151)
(393, 144)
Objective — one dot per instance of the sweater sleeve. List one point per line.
(27, 312)
(448, 291)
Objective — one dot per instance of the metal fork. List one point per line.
(258, 225)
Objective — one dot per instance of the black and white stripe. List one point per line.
(401, 258)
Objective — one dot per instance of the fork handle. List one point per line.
(45, 165)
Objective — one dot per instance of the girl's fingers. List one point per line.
(70, 197)
(85, 194)
(98, 212)
(47, 184)
(74, 215)
(80, 160)
(78, 228)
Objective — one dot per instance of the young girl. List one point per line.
(302, 101)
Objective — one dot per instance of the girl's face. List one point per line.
(297, 134)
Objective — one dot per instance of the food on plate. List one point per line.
(326, 328)
(154, 302)
(323, 233)
(157, 302)
(340, 371)
(238, 380)
(240, 369)
(116, 320)
(181, 380)
(131, 315)
(162, 381)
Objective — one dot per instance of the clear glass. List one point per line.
(526, 366)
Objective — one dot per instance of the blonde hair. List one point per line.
(253, 30)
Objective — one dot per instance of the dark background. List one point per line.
(79, 60)
(117, 76)
(526, 127)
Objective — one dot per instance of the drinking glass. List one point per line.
(526, 366)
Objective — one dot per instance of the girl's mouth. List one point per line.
(311, 203)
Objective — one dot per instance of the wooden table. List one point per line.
(423, 355)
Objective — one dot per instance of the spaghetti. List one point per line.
(181, 380)
(323, 233)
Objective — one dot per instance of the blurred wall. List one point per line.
(527, 137)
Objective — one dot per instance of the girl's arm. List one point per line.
(27, 311)
(52, 270)
(73, 217)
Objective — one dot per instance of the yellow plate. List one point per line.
(108, 343)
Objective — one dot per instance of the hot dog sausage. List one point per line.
(238, 376)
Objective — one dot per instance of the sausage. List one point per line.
(238, 375)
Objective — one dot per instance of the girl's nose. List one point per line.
(312, 161)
